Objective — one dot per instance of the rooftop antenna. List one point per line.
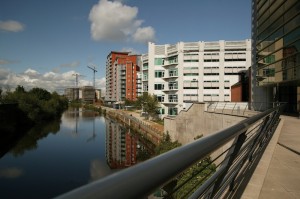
(94, 70)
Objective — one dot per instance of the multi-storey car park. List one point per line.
(193, 72)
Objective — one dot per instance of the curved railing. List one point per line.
(233, 152)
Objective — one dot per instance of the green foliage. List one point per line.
(148, 103)
(38, 104)
(129, 102)
(189, 180)
(193, 177)
(166, 145)
(40, 94)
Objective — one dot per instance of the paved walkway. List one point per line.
(277, 175)
(283, 176)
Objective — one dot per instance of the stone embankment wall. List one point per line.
(197, 121)
(151, 133)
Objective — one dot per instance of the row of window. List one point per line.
(216, 87)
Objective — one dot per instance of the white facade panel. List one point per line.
(205, 70)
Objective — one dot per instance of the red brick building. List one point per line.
(121, 76)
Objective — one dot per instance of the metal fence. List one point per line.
(234, 152)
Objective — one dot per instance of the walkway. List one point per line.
(278, 173)
(151, 123)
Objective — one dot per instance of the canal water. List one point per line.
(59, 156)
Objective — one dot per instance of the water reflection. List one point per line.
(58, 156)
(123, 147)
(11, 172)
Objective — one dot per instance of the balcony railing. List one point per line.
(241, 147)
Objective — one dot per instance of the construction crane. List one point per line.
(76, 78)
(94, 70)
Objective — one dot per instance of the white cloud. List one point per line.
(144, 35)
(114, 21)
(50, 80)
(11, 26)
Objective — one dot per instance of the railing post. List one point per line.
(227, 164)
(224, 107)
(259, 137)
(233, 109)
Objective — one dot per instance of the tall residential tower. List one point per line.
(122, 76)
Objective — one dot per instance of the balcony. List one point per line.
(170, 63)
(170, 76)
(170, 101)
(171, 89)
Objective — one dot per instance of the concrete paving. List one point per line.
(278, 173)
(283, 175)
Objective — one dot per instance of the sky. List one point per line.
(45, 43)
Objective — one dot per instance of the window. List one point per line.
(172, 60)
(231, 73)
(172, 98)
(211, 74)
(162, 111)
(159, 86)
(158, 61)
(173, 72)
(189, 68)
(269, 72)
(159, 73)
(211, 60)
(173, 85)
(160, 98)
(145, 87)
(190, 74)
(191, 60)
(190, 94)
(211, 87)
(172, 111)
(190, 87)
(235, 59)
(236, 49)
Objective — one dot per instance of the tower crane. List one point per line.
(76, 78)
(94, 70)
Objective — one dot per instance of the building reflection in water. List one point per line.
(123, 148)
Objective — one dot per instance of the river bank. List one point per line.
(153, 131)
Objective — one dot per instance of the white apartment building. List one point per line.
(193, 72)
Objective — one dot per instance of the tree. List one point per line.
(40, 93)
(38, 104)
(166, 144)
(148, 103)
(20, 89)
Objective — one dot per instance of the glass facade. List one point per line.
(276, 36)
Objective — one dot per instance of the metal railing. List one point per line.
(234, 152)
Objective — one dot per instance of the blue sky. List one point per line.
(42, 43)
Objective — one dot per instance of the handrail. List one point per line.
(142, 179)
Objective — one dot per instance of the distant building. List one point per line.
(276, 53)
(121, 76)
(88, 94)
(72, 93)
(98, 93)
(193, 72)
